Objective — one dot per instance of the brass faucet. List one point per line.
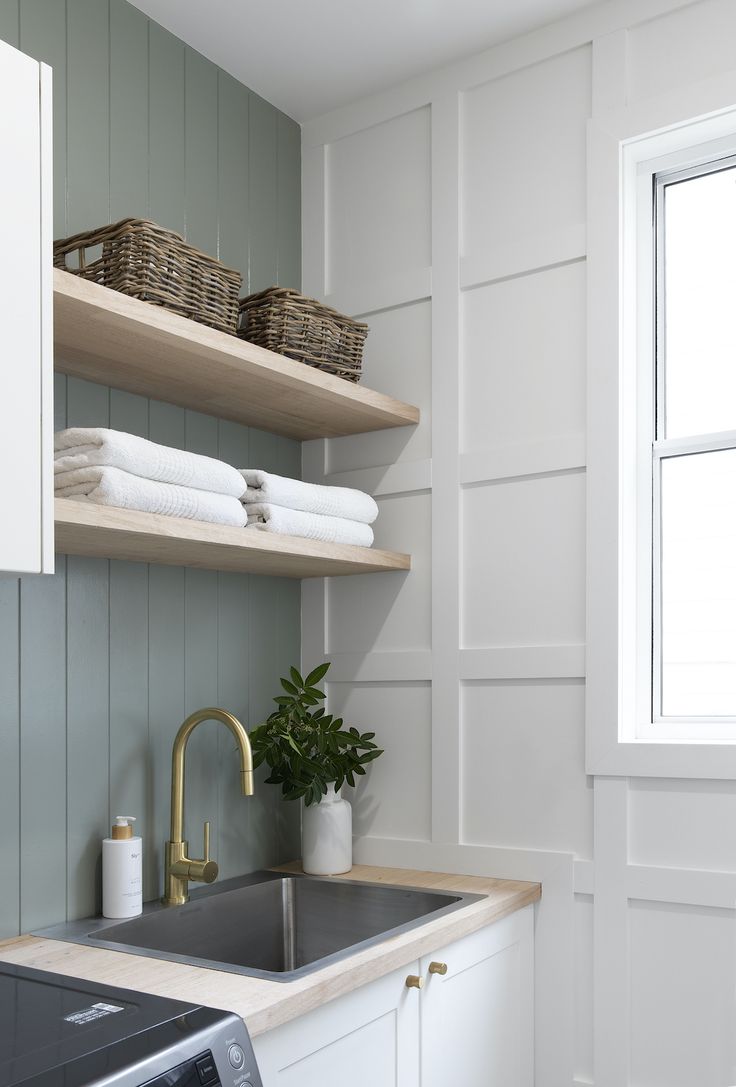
(179, 867)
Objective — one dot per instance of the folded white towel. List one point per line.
(311, 526)
(82, 447)
(341, 502)
(113, 487)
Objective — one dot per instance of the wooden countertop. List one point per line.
(266, 1004)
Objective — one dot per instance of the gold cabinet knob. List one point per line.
(438, 968)
(414, 982)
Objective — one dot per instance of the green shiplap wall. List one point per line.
(100, 663)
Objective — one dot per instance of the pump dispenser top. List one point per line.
(123, 827)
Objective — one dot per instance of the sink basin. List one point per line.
(268, 925)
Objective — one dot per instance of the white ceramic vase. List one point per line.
(327, 835)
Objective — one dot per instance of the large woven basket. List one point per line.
(291, 324)
(141, 259)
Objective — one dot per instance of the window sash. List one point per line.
(654, 722)
(661, 451)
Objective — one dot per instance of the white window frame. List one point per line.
(626, 148)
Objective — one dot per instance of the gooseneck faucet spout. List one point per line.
(180, 868)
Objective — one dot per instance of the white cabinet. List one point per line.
(26, 351)
(472, 1025)
(366, 1038)
(478, 1018)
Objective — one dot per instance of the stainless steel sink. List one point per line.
(268, 925)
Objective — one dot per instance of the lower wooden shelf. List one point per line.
(107, 532)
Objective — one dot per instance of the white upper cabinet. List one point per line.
(26, 354)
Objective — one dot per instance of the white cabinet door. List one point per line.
(26, 351)
(367, 1038)
(477, 1019)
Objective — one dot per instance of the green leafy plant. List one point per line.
(307, 749)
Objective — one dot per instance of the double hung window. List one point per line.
(693, 451)
(662, 438)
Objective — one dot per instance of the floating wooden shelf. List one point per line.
(105, 532)
(106, 337)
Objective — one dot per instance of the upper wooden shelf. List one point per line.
(106, 337)
(84, 528)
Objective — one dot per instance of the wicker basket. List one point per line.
(287, 322)
(141, 259)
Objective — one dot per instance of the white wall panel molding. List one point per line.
(524, 256)
(584, 877)
(359, 300)
(655, 883)
(564, 452)
(406, 477)
(399, 667)
(521, 52)
(610, 71)
(523, 662)
(505, 467)
(378, 215)
(611, 1029)
(395, 798)
(681, 886)
(445, 591)
(491, 664)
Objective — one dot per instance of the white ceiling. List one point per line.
(310, 56)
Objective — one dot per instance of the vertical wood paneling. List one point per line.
(43, 756)
(87, 635)
(166, 649)
(10, 21)
(166, 129)
(130, 778)
(130, 771)
(100, 663)
(232, 174)
(263, 194)
(265, 665)
(236, 813)
(274, 454)
(200, 157)
(43, 36)
(88, 752)
(200, 674)
(289, 203)
(60, 387)
(10, 760)
(236, 845)
(88, 122)
(128, 111)
(288, 651)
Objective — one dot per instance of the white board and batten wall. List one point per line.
(26, 359)
(451, 212)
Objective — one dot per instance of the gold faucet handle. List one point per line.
(204, 871)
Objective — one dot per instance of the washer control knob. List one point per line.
(236, 1056)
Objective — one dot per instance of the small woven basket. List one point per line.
(291, 324)
(139, 258)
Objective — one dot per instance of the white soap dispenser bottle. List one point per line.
(122, 871)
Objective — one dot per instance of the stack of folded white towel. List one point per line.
(94, 464)
(116, 469)
(292, 508)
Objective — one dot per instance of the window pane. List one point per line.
(700, 304)
(698, 587)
